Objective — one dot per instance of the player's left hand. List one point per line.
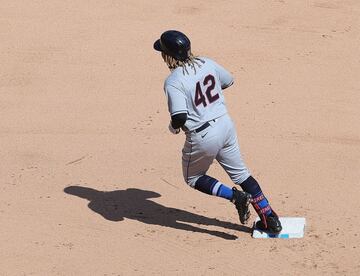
(174, 130)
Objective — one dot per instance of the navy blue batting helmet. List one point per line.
(175, 44)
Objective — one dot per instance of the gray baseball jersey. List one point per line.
(210, 132)
(198, 93)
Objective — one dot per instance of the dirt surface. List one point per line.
(90, 177)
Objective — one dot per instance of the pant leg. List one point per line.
(229, 156)
(199, 152)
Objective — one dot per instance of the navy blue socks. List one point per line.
(260, 203)
(211, 186)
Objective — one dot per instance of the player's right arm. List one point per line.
(226, 79)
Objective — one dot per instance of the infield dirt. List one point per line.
(90, 177)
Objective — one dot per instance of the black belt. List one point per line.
(204, 126)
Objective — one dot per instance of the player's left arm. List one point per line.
(177, 107)
(178, 120)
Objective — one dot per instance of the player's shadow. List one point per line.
(135, 204)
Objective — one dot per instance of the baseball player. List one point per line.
(194, 91)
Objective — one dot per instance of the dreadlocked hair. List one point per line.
(191, 61)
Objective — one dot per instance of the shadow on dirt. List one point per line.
(135, 204)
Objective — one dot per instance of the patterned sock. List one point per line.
(212, 186)
(260, 203)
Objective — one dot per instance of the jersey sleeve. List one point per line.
(226, 79)
(176, 99)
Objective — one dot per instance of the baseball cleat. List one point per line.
(241, 200)
(270, 224)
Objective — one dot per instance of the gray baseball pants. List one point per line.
(217, 141)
